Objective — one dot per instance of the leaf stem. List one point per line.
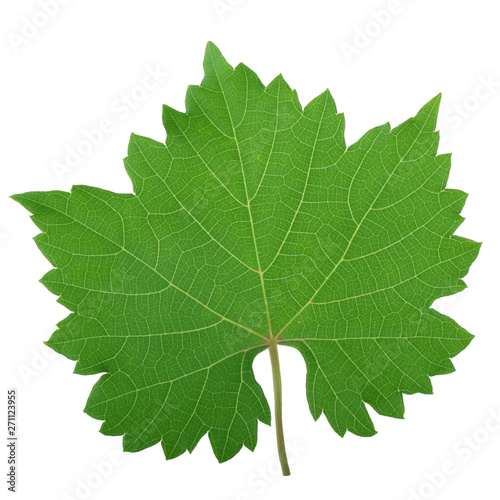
(278, 406)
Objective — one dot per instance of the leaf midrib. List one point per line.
(257, 257)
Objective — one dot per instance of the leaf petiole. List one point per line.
(278, 406)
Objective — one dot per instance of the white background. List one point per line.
(63, 78)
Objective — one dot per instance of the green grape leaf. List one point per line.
(253, 227)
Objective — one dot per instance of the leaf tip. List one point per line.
(213, 52)
(22, 199)
(211, 47)
(429, 113)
